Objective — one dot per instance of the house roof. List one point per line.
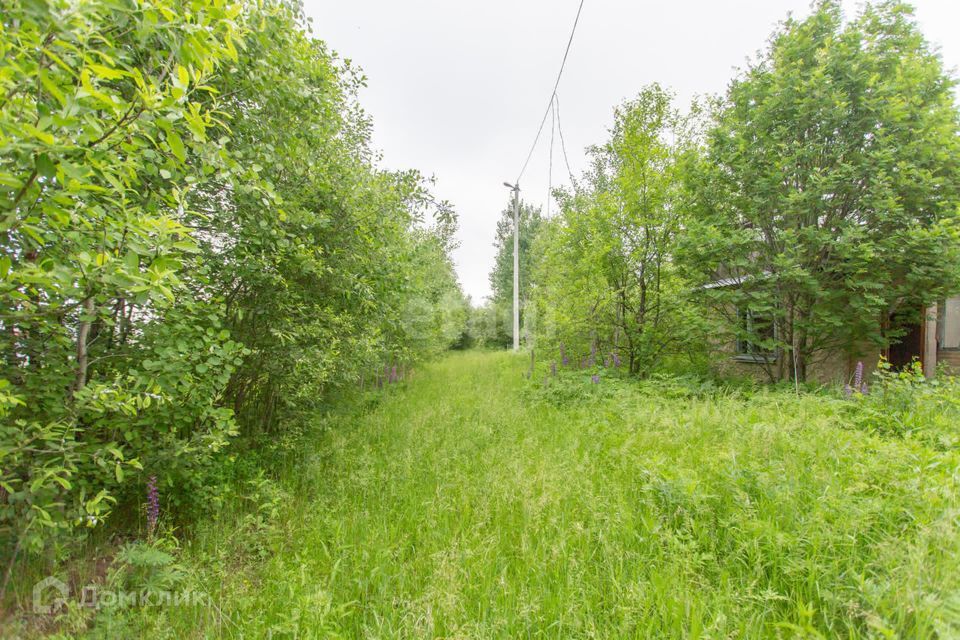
(735, 281)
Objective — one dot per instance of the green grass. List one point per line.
(463, 505)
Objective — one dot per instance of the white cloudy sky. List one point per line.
(456, 89)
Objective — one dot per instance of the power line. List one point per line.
(553, 128)
(553, 94)
(563, 144)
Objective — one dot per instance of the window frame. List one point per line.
(942, 317)
(746, 351)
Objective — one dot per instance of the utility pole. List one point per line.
(516, 263)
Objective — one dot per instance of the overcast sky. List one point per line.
(457, 89)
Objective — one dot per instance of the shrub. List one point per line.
(905, 404)
(574, 387)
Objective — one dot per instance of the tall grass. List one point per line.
(462, 506)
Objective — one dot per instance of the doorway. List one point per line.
(909, 346)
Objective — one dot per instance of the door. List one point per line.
(909, 346)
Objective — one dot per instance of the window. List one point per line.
(949, 325)
(754, 336)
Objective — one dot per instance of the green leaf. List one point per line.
(106, 72)
(45, 166)
(42, 136)
(132, 262)
(52, 88)
(176, 146)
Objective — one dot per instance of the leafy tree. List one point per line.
(606, 278)
(830, 187)
(179, 263)
(104, 129)
(338, 272)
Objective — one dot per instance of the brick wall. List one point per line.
(951, 358)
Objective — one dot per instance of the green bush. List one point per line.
(179, 267)
(906, 404)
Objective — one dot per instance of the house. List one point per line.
(934, 341)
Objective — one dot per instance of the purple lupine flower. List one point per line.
(153, 505)
(859, 386)
(553, 368)
(563, 356)
(595, 378)
(616, 360)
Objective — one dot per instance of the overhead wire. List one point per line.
(563, 144)
(553, 94)
(553, 128)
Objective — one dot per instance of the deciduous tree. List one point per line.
(830, 187)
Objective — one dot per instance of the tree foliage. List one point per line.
(196, 242)
(605, 277)
(813, 211)
(829, 188)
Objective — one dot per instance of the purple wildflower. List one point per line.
(859, 386)
(153, 505)
(563, 355)
(616, 360)
(595, 378)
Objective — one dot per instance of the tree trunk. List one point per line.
(83, 333)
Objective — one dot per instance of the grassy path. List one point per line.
(461, 507)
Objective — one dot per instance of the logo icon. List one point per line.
(50, 595)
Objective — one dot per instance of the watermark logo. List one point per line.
(50, 595)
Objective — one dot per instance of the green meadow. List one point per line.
(471, 502)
